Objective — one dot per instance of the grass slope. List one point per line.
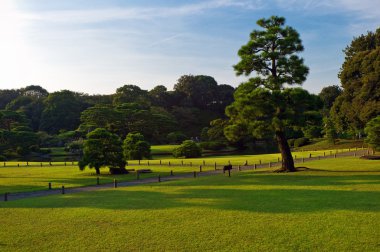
(334, 206)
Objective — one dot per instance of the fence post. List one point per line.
(63, 189)
(97, 181)
(6, 196)
(160, 162)
(49, 185)
(200, 168)
(171, 173)
(148, 162)
(215, 165)
(254, 166)
(159, 178)
(335, 155)
(114, 183)
(169, 163)
(303, 160)
(239, 168)
(310, 155)
(260, 161)
(139, 161)
(204, 162)
(191, 163)
(195, 174)
(270, 164)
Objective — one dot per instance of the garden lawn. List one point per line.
(18, 177)
(333, 206)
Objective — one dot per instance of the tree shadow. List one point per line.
(251, 200)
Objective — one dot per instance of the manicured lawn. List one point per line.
(162, 149)
(334, 206)
(34, 177)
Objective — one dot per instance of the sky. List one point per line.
(96, 46)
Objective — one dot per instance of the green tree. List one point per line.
(62, 111)
(328, 96)
(261, 105)
(188, 149)
(130, 94)
(372, 130)
(100, 149)
(329, 130)
(360, 80)
(135, 147)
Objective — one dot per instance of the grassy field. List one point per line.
(340, 144)
(333, 206)
(18, 177)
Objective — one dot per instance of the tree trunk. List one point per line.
(97, 169)
(288, 163)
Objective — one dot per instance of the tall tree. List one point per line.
(260, 104)
(360, 79)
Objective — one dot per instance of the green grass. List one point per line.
(340, 144)
(334, 207)
(34, 177)
(162, 149)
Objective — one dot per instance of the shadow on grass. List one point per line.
(257, 199)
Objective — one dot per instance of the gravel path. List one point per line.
(22, 195)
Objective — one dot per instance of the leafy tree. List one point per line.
(62, 111)
(262, 105)
(135, 147)
(100, 149)
(198, 91)
(328, 96)
(130, 94)
(372, 130)
(360, 79)
(101, 116)
(188, 149)
(329, 130)
(7, 95)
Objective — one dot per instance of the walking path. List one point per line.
(22, 195)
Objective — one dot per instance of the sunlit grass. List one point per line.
(333, 206)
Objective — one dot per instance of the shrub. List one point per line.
(301, 141)
(176, 137)
(213, 145)
(188, 149)
(3, 158)
(291, 142)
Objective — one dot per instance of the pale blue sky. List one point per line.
(95, 46)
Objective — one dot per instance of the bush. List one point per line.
(188, 149)
(214, 145)
(301, 141)
(176, 137)
(291, 142)
(3, 158)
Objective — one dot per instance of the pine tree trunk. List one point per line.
(97, 169)
(288, 163)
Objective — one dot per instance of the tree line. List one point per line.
(266, 108)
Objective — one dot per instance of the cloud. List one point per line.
(138, 13)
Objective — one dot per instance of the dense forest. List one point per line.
(32, 118)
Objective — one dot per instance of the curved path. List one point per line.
(22, 195)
